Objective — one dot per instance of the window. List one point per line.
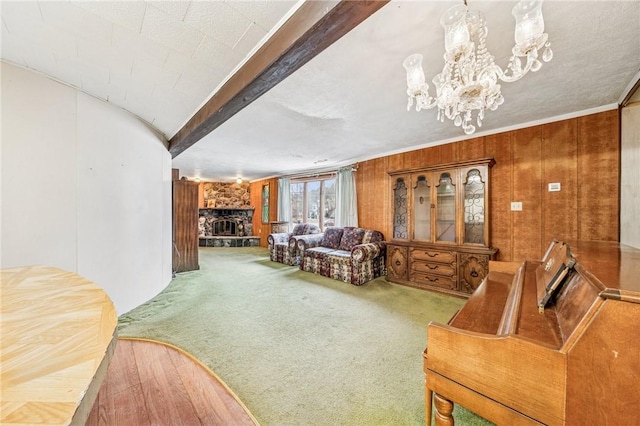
(314, 201)
(265, 203)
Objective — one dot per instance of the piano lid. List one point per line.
(557, 263)
(613, 265)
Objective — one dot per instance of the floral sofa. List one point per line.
(350, 254)
(282, 246)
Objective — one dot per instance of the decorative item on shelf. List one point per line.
(468, 81)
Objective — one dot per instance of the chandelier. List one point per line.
(468, 84)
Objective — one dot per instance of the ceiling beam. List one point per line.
(309, 31)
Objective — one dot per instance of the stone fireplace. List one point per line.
(226, 227)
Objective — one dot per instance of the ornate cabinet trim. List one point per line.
(397, 262)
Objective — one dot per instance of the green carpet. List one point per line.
(297, 348)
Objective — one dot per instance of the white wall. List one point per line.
(630, 176)
(85, 186)
(38, 171)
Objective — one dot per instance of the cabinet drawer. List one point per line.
(434, 268)
(433, 255)
(450, 283)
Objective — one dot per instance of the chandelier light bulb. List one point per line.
(455, 27)
(468, 84)
(415, 74)
(529, 22)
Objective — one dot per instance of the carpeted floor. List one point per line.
(297, 348)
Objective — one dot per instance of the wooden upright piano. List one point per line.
(554, 342)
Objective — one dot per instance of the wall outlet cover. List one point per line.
(516, 206)
(554, 187)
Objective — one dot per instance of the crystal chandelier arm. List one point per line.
(422, 98)
(515, 67)
(533, 62)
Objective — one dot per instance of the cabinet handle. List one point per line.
(433, 280)
(474, 273)
(398, 263)
(431, 255)
(433, 268)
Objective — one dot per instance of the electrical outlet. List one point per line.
(554, 187)
(516, 206)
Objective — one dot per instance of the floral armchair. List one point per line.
(353, 255)
(282, 246)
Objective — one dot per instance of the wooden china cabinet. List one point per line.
(440, 220)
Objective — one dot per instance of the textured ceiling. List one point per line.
(161, 60)
(157, 59)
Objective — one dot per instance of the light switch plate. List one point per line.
(554, 187)
(516, 206)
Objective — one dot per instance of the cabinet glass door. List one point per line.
(474, 193)
(400, 209)
(446, 209)
(422, 209)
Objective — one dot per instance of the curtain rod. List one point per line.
(319, 173)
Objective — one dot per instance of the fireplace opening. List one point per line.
(224, 227)
(225, 223)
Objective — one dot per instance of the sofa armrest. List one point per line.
(281, 237)
(308, 241)
(368, 251)
(293, 241)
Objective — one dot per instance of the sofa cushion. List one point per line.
(339, 254)
(351, 237)
(299, 229)
(305, 229)
(318, 252)
(332, 237)
(371, 236)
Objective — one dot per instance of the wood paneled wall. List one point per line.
(260, 229)
(583, 154)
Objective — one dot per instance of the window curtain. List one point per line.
(284, 200)
(346, 199)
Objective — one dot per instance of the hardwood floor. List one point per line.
(152, 383)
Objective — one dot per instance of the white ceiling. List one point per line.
(162, 60)
(157, 59)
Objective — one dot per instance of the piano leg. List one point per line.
(444, 409)
(428, 400)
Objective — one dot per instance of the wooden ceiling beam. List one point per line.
(310, 30)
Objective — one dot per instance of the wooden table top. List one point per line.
(58, 332)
